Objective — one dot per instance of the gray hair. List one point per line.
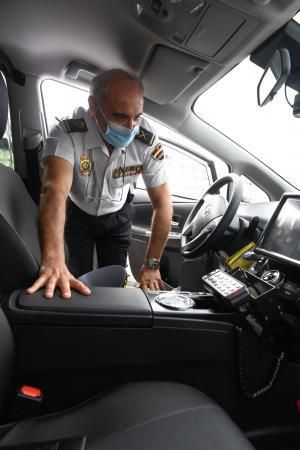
(102, 81)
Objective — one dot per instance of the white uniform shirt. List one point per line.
(101, 182)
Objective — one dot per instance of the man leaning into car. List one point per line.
(91, 163)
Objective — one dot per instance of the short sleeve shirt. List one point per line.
(101, 181)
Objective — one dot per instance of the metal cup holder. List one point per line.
(175, 301)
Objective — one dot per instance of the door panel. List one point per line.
(171, 260)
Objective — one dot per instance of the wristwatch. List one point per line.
(152, 263)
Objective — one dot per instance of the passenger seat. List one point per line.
(133, 416)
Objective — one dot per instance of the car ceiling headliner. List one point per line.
(42, 37)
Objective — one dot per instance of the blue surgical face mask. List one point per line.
(118, 135)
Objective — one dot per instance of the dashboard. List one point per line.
(265, 297)
(269, 299)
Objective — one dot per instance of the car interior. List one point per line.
(212, 361)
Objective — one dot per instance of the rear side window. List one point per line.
(6, 144)
(60, 100)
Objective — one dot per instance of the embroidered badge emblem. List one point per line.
(127, 171)
(85, 164)
(158, 153)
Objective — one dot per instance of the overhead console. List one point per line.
(207, 28)
(191, 43)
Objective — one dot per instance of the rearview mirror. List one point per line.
(274, 76)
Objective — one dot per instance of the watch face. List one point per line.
(152, 263)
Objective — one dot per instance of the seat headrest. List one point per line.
(3, 105)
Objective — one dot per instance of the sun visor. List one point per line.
(169, 73)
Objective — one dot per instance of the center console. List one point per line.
(115, 307)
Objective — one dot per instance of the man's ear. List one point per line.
(92, 106)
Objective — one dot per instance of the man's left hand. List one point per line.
(151, 279)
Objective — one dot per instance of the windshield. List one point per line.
(270, 133)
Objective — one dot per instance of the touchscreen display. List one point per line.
(282, 235)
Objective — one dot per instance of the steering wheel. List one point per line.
(211, 217)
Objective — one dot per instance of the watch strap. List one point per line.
(152, 263)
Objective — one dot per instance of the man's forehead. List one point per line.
(125, 102)
(124, 88)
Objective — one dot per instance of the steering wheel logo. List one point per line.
(207, 210)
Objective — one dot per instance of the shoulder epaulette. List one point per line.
(74, 125)
(145, 136)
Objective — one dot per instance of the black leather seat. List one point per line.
(148, 416)
(144, 415)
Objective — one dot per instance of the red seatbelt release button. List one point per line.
(30, 392)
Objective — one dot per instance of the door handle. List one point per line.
(176, 221)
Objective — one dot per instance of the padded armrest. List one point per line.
(104, 300)
(106, 306)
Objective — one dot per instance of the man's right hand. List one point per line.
(57, 277)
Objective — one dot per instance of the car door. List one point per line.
(189, 174)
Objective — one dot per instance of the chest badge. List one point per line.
(85, 164)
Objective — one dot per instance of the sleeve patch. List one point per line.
(158, 153)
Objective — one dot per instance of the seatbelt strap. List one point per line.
(33, 146)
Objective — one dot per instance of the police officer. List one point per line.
(91, 163)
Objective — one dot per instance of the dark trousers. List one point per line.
(110, 234)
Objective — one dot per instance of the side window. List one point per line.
(188, 176)
(6, 145)
(189, 173)
(60, 100)
(252, 193)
